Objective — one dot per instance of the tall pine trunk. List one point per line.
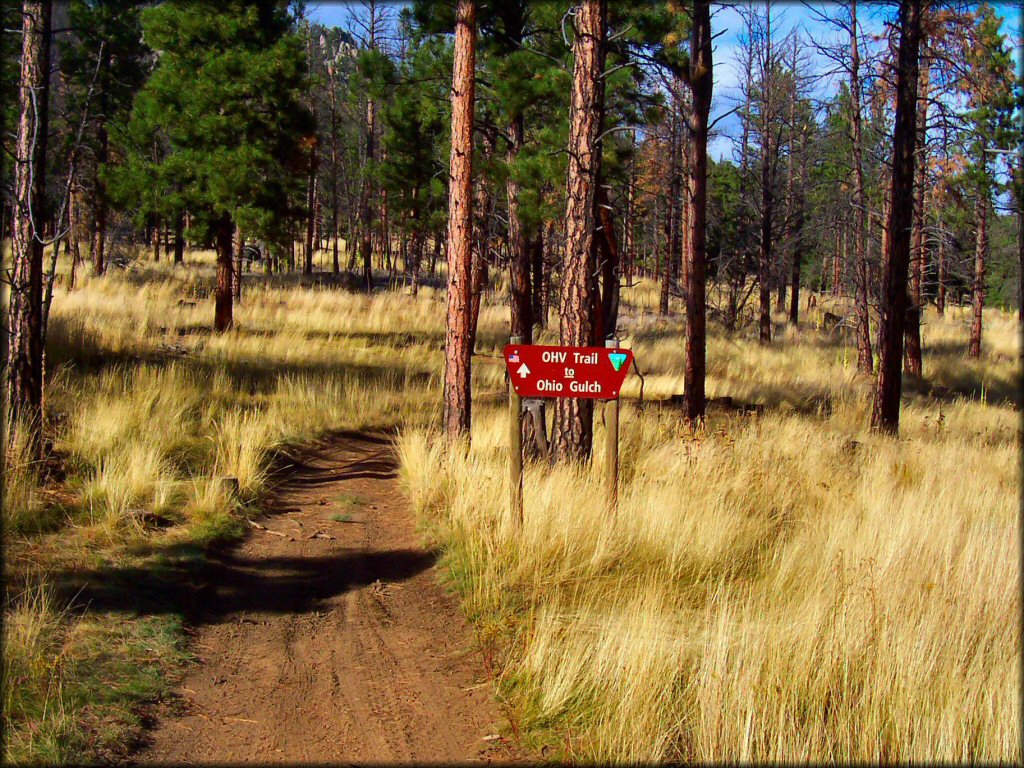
(307, 267)
(179, 238)
(519, 256)
(885, 416)
(99, 234)
(25, 303)
(74, 226)
(222, 318)
(696, 304)
(365, 210)
(458, 352)
(574, 417)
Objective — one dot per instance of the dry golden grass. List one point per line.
(780, 587)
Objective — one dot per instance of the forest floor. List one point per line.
(326, 634)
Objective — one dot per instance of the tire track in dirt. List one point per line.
(327, 641)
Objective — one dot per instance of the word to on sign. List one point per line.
(594, 373)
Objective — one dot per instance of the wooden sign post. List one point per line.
(611, 426)
(594, 373)
(515, 408)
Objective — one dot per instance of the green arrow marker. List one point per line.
(618, 359)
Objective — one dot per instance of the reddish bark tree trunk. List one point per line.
(222, 318)
(458, 352)
(239, 265)
(25, 303)
(696, 275)
(179, 238)
(573, 417)
(366, 211)
(885, 416)
(537, 280)
(519, 256)
(99, 234)
(74, 227)
(156, 239)
(311, 206)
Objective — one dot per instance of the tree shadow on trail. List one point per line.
(228, 584)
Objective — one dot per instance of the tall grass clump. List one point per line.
(781, 586)
(35, 667)
(23, 504)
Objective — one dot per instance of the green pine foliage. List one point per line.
(220, 129)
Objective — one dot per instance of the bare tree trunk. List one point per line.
(366, 211)
(865, 362)
(334, 171)
(610, 262)
(797, 239)
(978, 284)
(311, 205)
(837, 268)
(537, 279)
(701, 83)
(156, 239)
(674, 222)
(885, 416)
(545, 285)
(74, 226)
(179, 238)
(765, 252)
(768, 154)
(912, 364)
(99, 235)
(239, 264)
(222, 319)
(573, 417)
(519, 255)
(25, 303)
(458, 352)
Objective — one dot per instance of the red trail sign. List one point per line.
(595, 373)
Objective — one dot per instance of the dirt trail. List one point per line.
(333, 642)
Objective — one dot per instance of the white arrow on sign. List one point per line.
(523, 371)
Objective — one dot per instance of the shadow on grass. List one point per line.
(85, 350)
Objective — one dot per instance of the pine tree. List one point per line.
(24, 364)
(458, 349)
(885, 414)
(225, 100)
(574, 417)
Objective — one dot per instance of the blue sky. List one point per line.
(727, 23)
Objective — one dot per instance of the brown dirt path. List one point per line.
(333, 642)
